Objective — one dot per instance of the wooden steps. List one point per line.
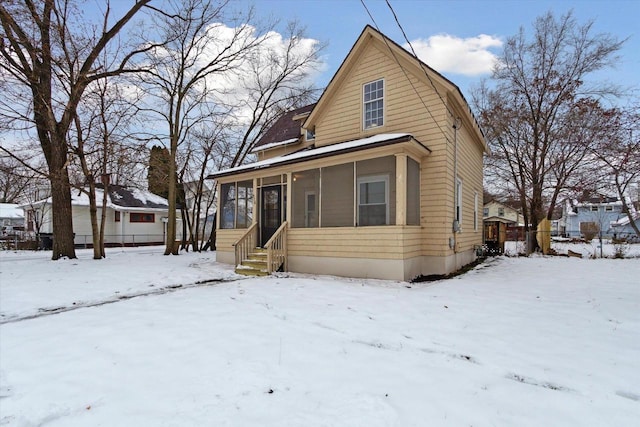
(255, 264)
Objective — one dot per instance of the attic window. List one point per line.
(311, 135)
(608, 208)
(594, 209)
(373, 98)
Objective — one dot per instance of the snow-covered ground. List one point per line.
(592, 249)
(514, 342)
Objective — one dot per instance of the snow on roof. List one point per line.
(11, 210)
(120, 198)
(598, 203)
(274, 145)
(149, 198)
(321, 151)
(625, 220)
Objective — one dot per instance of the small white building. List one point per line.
(11, 217)
(133, 217)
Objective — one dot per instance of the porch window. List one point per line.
(228, 194)
(373, 95)
(337, 196)
(376, 186)
(244, 211)
(413, 192)
(237, 204)
(305, 201)
(141, 217)
(373, 200)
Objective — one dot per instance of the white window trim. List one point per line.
(475, 211)
(309, 135)
(369, 179)
(306, 207)
(384, 107)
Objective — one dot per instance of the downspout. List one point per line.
(456, 224)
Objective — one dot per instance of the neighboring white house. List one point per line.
(133, 217)
(11, 217)
(493, 211)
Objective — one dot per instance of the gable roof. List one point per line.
(11, 210)
(285, 130)
(135, 198)
(419, 69)
(119, 198)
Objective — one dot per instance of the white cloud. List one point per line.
(446, 53)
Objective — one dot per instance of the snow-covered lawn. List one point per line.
(515, 342)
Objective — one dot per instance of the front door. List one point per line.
(271, 213)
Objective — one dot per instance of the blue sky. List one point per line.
(339, 22)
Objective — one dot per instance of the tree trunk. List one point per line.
(103, 219)
(172, 248)
(93, 214)
(211, 243)
(63, 245)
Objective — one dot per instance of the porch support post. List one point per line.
(401, 189)
(256, 202)
(289, 193)
(219, 211)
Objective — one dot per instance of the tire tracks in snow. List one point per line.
(42, 312)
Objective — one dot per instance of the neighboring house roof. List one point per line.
(11, 210)
(608, 201)
(325, 151)
(499, 219)
(284, 131)
(119, 198)
(625, 220)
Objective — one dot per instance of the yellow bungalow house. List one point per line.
(382, 178)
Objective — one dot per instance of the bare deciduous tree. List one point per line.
(537, 116)
(270, 81)
(48, 58)
(197, 48)
(618, 153)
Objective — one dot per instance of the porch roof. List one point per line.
(321, 152)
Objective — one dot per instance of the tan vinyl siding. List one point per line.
(385, 242)
(404, 109)
(227, 237)
(410, 106)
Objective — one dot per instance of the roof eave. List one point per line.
(347, 150)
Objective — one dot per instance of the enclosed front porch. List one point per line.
(353, 215)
